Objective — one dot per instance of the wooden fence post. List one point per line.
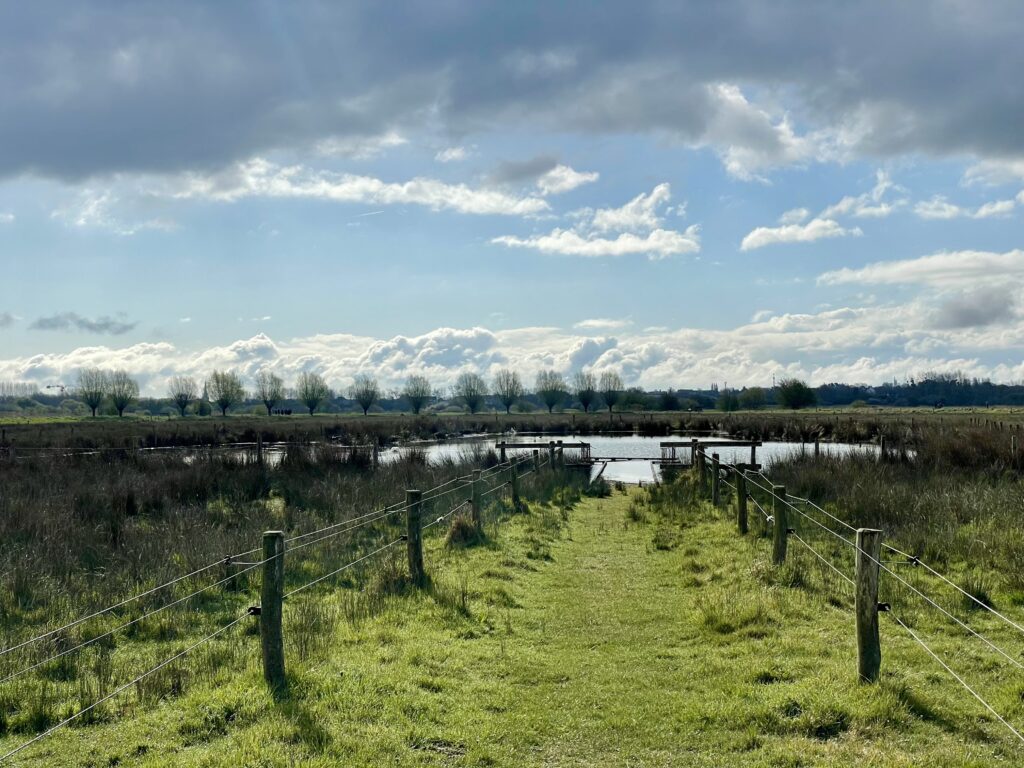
(702, 471)
(501, 447)
(271, 598)
(716, 480)
(753, 454)
(475, 509)
(259, 448)
(817, 448)
(414, 534)
(561, 454)
(551, 455)
(780, 517)
(693, 452)
(869, 650)
(514, 480)
(536, 460)
(741, 501)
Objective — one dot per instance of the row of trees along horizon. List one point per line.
(98, 390)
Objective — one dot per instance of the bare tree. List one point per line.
(92, 387)
(365, 391)
(225, 389)
(182, 390)
(584, 384)
(312, 390)
(123, 390)
(611, 388)
(417, 391)
(551, 388)
(508, 387)
(471, 389)
(269, 389)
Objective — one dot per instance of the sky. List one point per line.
(687, 193)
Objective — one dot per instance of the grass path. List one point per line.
(601, 641)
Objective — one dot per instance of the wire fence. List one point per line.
(296, 542)
(821, 520)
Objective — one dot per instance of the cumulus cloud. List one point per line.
(947, 269)
(938, 207)
(869, 204)
(637, 223)
(261, 178)
(815, 229)
(794, 216)
(980, 307)
(72, 321)
(562, 178)
(660, 243)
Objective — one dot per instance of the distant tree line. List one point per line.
(116, 391)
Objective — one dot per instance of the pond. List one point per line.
(641, 451)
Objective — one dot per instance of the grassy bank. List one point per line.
(638, 629)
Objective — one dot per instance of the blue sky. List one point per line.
(686, 194)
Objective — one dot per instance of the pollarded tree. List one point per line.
(269, 389)
(508, 387)
(551, 388)
(417, 391)
(123, 390)
(182, 390)
(92, 387)
(795, 394)
(584, 384)
(752, 398)
(365, 391)
(471, 389)
(312, 390)
(610, 386)
(225, 389)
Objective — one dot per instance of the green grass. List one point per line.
(598, 637)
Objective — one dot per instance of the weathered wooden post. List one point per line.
(753, 453)
(514, 481)
(259, 448)
(551, 455)
(869, 650)
(693, 452)
(716, 480)
(501, 447)
(536, 460)
(414, 534)
(741, 501)
(817, 448)
(702, 471)
(780, 531)
(561, 454)
(881, 447)
(271, 598)
(475, 501)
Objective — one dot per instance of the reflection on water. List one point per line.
(641, 450)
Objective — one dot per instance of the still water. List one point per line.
(640, 450)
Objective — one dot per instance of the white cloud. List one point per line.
(6, 217)
(938, 207)
(360, 147)
(815, 229)
(451, 155)
(995, 172)
(562, 178)
(659, 243)
(869, 204)
(95, 209)
(260, 178)
(948, 269)
(794, 216)
(640, 213)
(603, 324)
(637, 223)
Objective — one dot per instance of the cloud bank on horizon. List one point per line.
(406, 188)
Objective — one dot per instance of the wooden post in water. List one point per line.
(869, 650)
(561, 455)
(475, 508)
(716, 480)
(753, 454)
(414, 534)
(536, 461)
(780, 524)
(271, 598)
(741, 500)
(817, 448)
(501, 447)
(259, 448)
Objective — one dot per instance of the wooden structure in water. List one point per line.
(673, 451)
(573, 454)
